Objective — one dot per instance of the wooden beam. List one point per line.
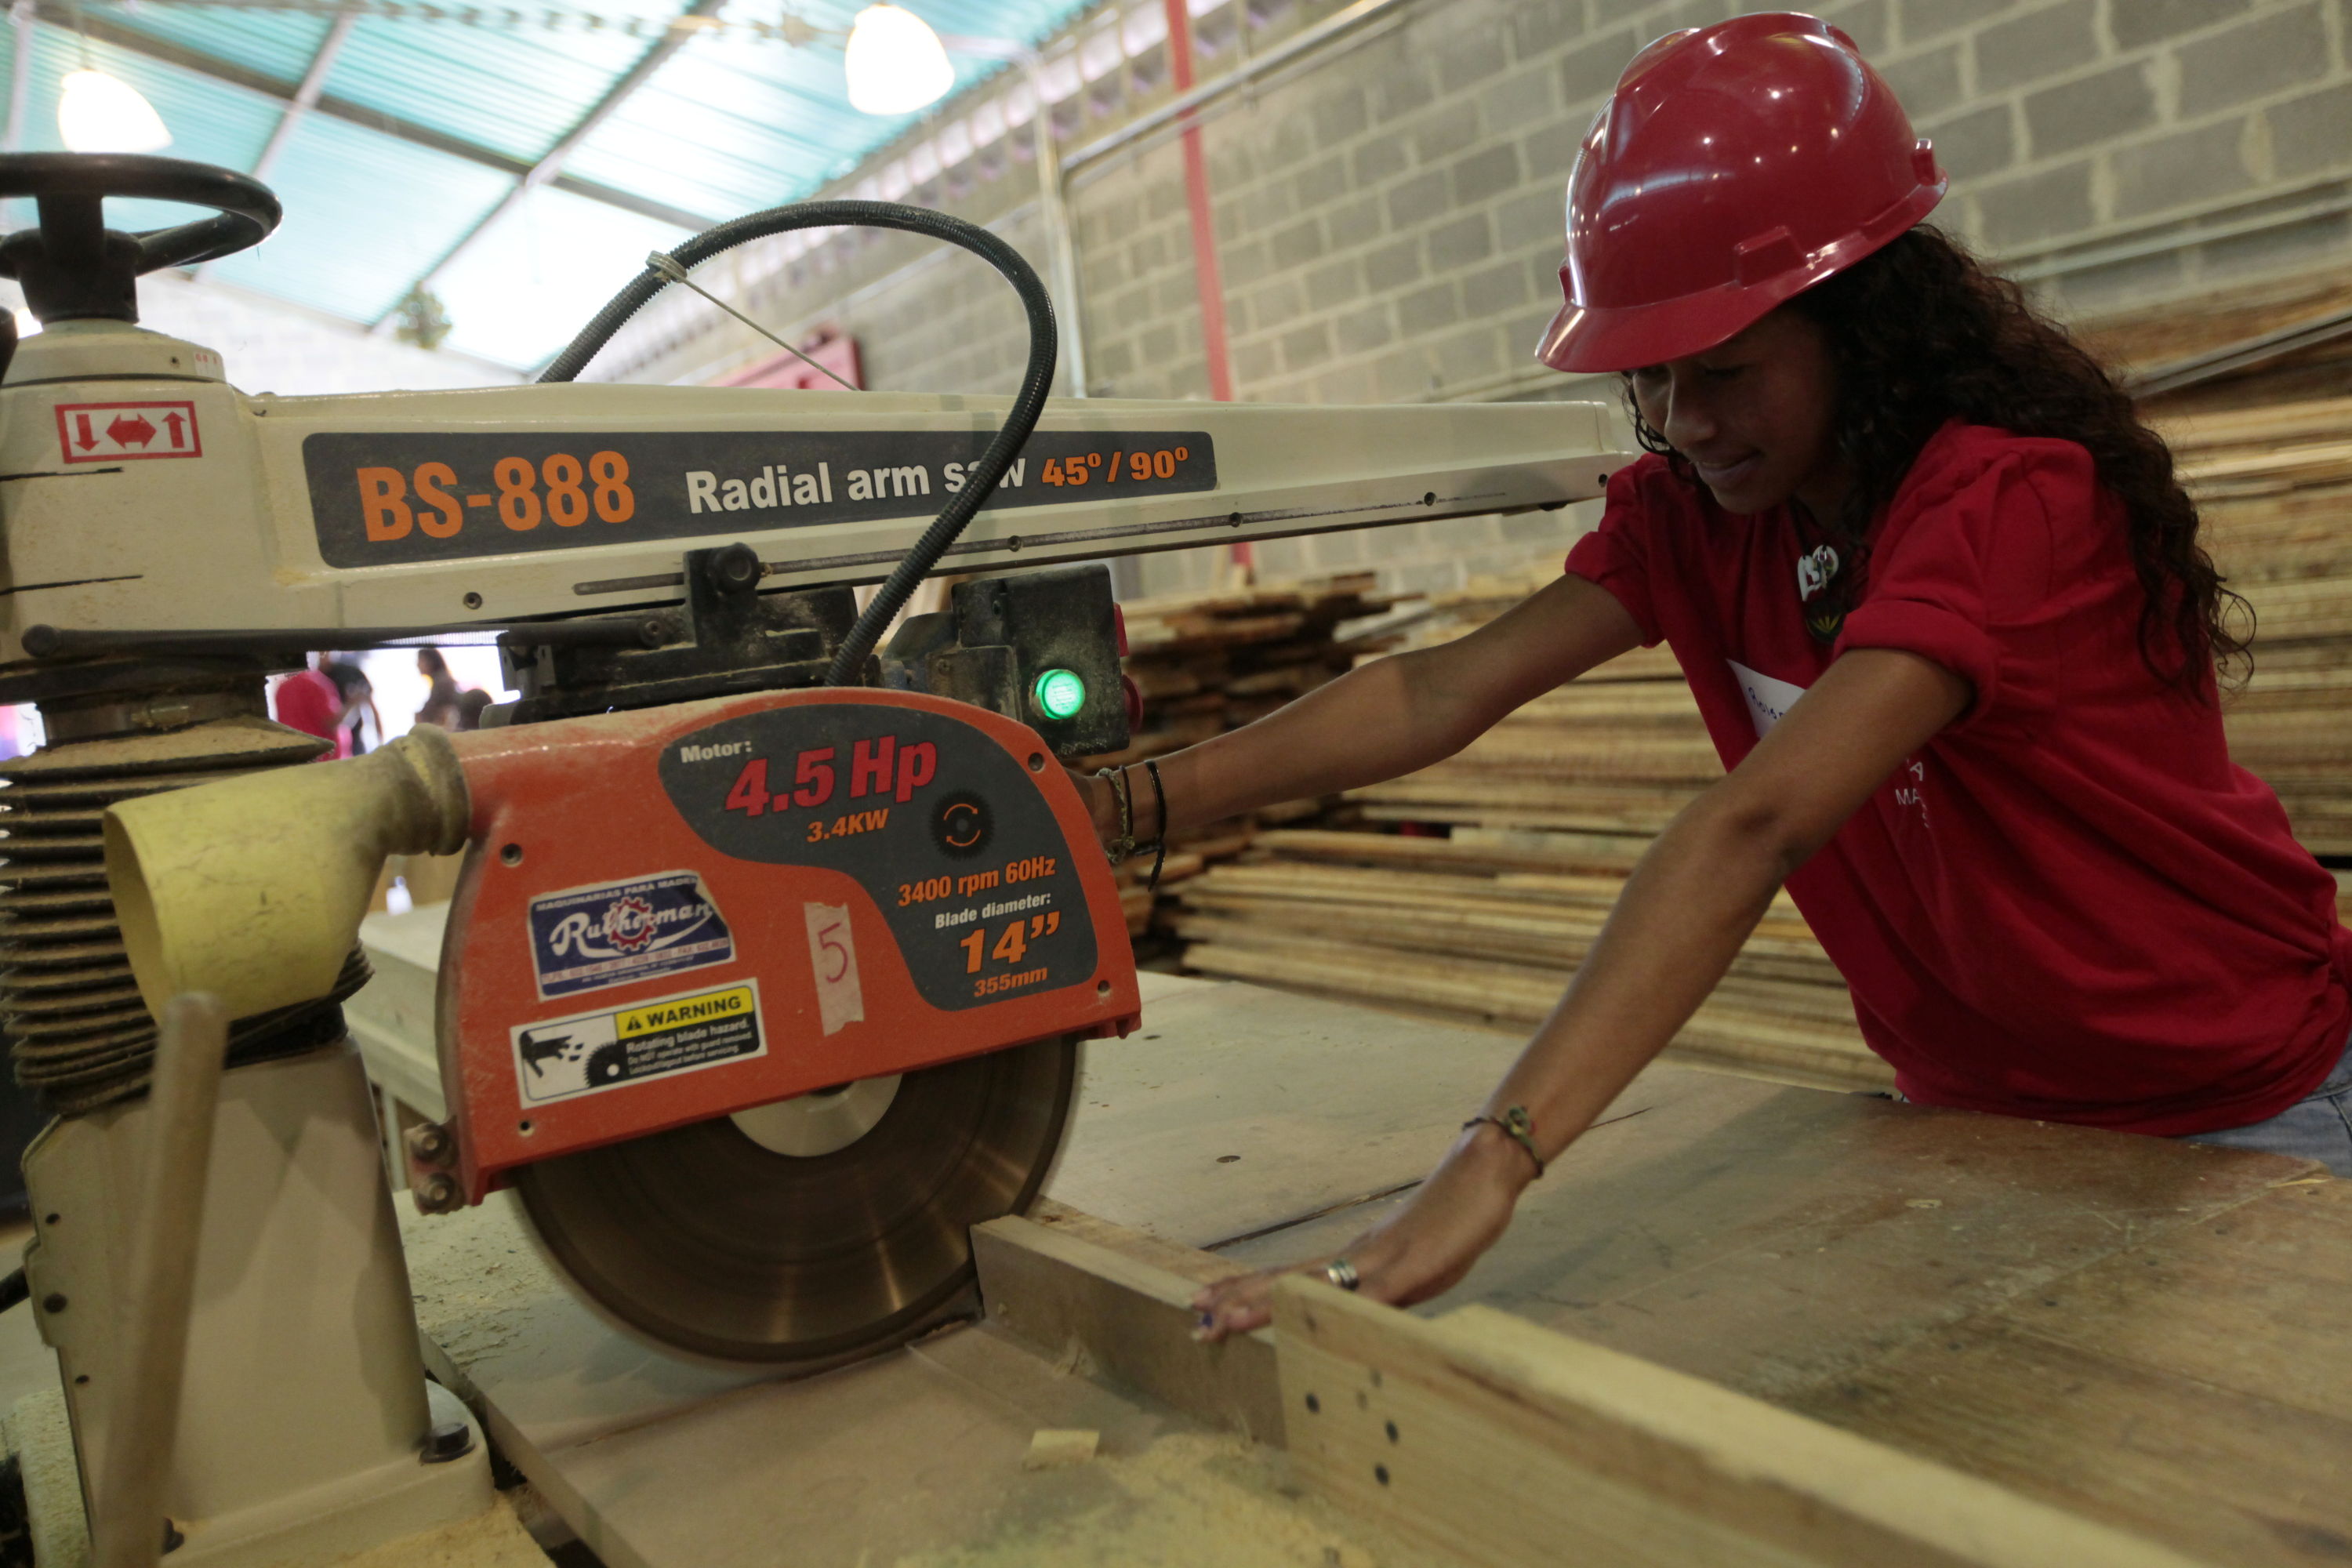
(1121, 1312)
(1507, 1443)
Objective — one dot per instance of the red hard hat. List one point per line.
(1734, 166)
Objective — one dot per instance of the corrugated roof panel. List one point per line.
(731, 125)
(277, 43)
(530, 283)
(735, 122)
(366, 215)
(514, 89)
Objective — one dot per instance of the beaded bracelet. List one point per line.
(1520, 1127)
(1121, 847)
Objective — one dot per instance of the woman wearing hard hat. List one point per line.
(1942, 604)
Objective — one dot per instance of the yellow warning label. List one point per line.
(734, 1002)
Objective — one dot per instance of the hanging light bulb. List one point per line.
(100, 113)
(895, 64)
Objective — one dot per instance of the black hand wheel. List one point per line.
(73, 266)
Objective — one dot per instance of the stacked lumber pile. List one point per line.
(2274, 488)
(2301, 320)
(1487, 927)
(1547, 815)
(1207, 663)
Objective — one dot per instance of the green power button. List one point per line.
(1058, 693)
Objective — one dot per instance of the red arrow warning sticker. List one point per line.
(112, 432)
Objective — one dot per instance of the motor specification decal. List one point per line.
(945, 832)
(561, 1059)
(584, 939)
(383, 500)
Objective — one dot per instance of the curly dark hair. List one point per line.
(1921, 333)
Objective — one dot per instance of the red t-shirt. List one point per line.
(2070, 904)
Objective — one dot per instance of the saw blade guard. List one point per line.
(672, 915)
(705, 1240)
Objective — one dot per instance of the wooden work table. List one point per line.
(2146, 1333)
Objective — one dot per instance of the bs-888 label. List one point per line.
(386, 500)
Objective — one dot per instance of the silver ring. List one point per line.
(1342, 1273)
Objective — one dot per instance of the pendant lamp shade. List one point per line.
(895, 63)
(100, 114)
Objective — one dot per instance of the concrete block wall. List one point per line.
(1389, 222)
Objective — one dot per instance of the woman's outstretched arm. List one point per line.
(1388, 718)
(1684, 913)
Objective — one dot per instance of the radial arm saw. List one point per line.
(775, 942)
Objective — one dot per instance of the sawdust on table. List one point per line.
(494, 1537)
(475, 1280)
(1187, 1499)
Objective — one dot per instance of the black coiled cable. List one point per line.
(1037, 381)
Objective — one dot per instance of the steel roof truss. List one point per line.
(109, 31)
(549, 169)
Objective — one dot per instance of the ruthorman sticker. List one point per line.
(585, 939)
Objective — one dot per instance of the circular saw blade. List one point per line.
(704, 1241)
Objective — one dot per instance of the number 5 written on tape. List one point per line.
(832, 954)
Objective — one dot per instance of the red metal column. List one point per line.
(1206, 278)
(1205, 274)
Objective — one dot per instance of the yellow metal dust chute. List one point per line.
(252, 889)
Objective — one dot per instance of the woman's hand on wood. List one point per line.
(1422, 1250)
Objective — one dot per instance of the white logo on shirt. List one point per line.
(1768, 702)
(1912, 794)
(1768, 699)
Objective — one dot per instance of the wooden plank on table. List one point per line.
(1104, 1310)
(1514, 1445)
(1783, 1242)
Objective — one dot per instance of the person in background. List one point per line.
(441, 704)
(357, 711)
(310, 702)
(470, 703)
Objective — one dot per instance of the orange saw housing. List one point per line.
(676, 913)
